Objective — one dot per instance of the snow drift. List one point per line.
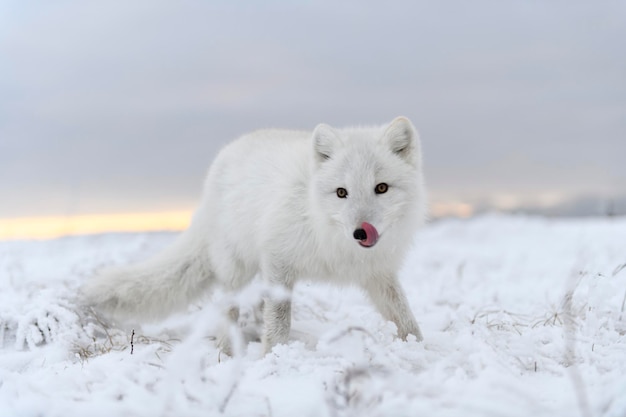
(521, 316)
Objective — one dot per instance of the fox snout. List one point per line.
(367, 235)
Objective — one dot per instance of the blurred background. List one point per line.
(111, 112)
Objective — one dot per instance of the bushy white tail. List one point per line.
(152, 289)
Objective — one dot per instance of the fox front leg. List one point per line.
(277, 318)
(389, 299)
(277, 309)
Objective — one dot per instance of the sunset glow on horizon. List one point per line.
(57, 226)
(50, 227)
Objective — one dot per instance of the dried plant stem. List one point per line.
(570, 350)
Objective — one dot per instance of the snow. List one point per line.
(521, 316)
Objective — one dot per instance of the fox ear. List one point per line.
(402, 138)
(325, 140)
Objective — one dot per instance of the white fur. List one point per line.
(270, 206)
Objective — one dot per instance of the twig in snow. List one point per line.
(269, 406)
(228, 397)
(132, 344)
(350, 330)
(570, 350)
(103, 325)
(616, 271)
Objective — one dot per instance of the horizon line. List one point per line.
(57, 226)
(51, 227)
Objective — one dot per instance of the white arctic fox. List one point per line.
(339, 205)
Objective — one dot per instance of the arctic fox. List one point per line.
(340, 205)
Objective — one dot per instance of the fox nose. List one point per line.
(367, 235)
(359, 234)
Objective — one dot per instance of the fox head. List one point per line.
(367, 182)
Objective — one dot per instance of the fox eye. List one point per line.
(342, 192)
(381, 188)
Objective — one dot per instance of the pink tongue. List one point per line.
(371, 233)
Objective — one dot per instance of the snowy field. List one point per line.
(521, 317)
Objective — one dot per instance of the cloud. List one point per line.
(122, 97)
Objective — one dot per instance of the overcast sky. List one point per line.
(117, 106)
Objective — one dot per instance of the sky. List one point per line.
(119, 107)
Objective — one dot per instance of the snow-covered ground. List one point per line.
(521, 316)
